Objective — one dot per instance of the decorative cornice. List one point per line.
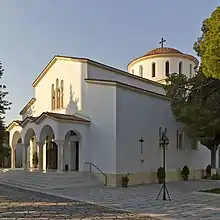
(180, 55)
(91, 62)
(30, 103)
(123, 85)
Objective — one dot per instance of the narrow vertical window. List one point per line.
(141, 71)
(167, 68)
(153, 69)
(190, 70)
(56, 97)
(132, 71)
(61, 95)
(180, 67)
(52, 97)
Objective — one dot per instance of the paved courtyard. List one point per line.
(22, 204)
(185, 203)
(62, 203)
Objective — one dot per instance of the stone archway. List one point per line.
(50, 152)
(29, 148)
(16, 151)
(72, 151)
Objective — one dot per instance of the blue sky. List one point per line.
(109, 31)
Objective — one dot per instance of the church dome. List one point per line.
(159, 63)
(162, 50)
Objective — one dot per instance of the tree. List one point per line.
(196, 104)
(208, 45)
(4, 106)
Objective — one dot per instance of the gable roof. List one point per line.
(13, 124)
(61, 117)
(91, 62)
(31, 102)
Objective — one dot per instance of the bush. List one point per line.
(35, 160)
(185, 172)
(208, 171)
(216, 176)
(161, 174)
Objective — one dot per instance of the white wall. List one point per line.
(100, 106)
(100, 73)
(160, 67)
(70, 72)
(139, 115)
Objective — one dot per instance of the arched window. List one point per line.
(180, 67)
(53, 97)
(57, 95)
(58, 98)
(141, 71)
(190, 70)
(153, 69)
(167, 68)
(61, 94)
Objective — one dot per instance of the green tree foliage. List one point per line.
(196, 104)
(4, 106)
(208, 45)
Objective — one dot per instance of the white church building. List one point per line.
(88, 112)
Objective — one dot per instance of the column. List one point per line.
(40, 155)
(44, 156)
(24, 157)
(217, 158)
(13, 157)
(70, 155)
(60, 155)
(31, 153)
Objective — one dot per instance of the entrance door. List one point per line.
(77, 155)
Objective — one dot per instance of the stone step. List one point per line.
(50, 180)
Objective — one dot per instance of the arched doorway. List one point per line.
(50, 148)
(16, 151)
(29, 149)
(51, 154)
(72, 151)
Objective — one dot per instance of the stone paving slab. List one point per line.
(185, 204)
(23, 204)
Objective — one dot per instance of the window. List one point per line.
(153, 69)
(194, 144)
(57, 95)
(57, 92)
(53, 98)
(190, 70)
(61, 94)
(167, 68)
(132, 71)
(180, 67)
(141, 71)
(179, 139)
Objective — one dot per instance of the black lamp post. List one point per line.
(164, 142)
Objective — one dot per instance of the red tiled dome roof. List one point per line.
(162, 50)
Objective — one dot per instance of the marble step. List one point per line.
(37, 180)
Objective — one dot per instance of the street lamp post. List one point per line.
(164, 142)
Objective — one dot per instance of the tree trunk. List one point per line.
(213, 156)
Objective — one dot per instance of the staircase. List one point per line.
(48, 181)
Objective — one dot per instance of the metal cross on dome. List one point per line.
(162, 41)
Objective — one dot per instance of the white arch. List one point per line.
(15, 138)
(47, 130)
(28, 135)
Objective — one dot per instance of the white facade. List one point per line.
(104, 112)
